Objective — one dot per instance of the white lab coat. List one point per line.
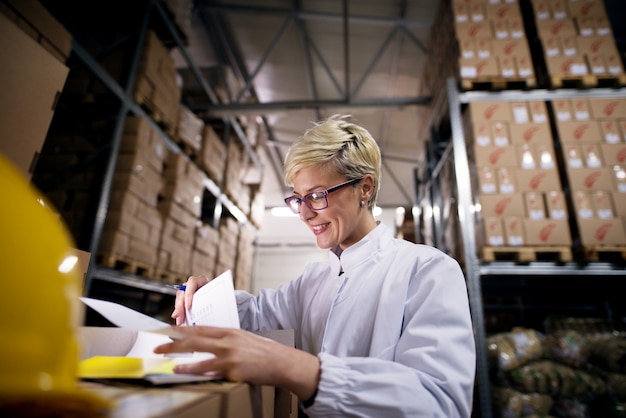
(393, 332)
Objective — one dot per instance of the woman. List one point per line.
(382, 328)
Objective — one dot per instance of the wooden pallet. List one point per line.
(588, 81)
(168, 277)
(605, 253)
(125, 264)
(526, 254)
(498, 83)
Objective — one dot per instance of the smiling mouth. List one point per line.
(317, 229)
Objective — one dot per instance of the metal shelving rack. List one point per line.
(154, 10)
(514, 274)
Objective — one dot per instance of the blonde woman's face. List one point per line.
(344, 222)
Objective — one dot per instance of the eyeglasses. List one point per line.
(317, 200)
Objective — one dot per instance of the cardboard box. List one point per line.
(583, 208)
(614, 154)
(600, 178)
(572, 154)
(507, 181)
(547, 232)
(478, 67)
(592, 156)
(556, 27)
(531, 133)
(494, 231)
(579, 132)
(619, 200)
(619, 178)
(537, 180)
(567, 66)
(556, 205)
(487, 180)
(602, 202)
(491, 111)
(32, 82)
(534, 205)
(610, 131)
(495, 156)
(601, 231)
(608, 108)
(562, 109)
(35, 20)
(514, 230)
(502, 205)
(581, 109)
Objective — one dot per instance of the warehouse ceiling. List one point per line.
(283, 64)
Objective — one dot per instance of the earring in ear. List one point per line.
(362, 204)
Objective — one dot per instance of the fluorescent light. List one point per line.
(282, 212)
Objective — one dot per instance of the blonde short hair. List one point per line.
(338, 144)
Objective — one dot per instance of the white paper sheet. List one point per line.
(214, 304)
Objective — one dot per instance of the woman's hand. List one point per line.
(243, 356)
(184, 298)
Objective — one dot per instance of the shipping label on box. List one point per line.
(555, 203)
(591, 155)
(506, 180)
(535, 206)
(514, 230)
(494, 232)
(562, 110)
(610, 131)
(582, 204)
(602, 204)
(487, 180)
(547, 232)
(573, 155)
(581, 108)
(538, 111)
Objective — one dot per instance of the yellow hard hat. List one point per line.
(39, 301)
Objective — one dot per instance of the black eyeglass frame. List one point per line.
(295, 208)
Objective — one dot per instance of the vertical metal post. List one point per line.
(466, 217)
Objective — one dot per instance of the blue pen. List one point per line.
(177, 286)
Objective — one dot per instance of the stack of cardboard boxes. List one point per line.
(492, 41)
(577, 40)
(593, 141)
(517, 179)
(131, 231)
